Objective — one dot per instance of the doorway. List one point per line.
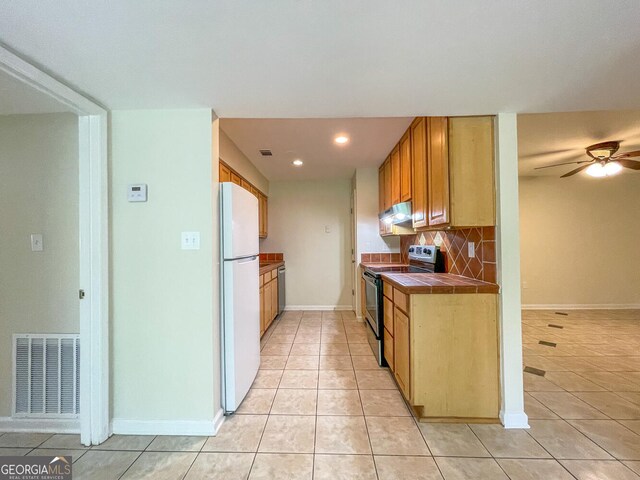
(92, 247)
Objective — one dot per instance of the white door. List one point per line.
(241, 317)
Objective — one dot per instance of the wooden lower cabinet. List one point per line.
(263, 316)
(268, 299)
(388, 349)
(445, 354)
(401, 352)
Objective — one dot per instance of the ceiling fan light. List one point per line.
(608, 169)
(612, 168)
(596, 170)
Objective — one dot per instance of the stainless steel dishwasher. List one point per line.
(281, 295)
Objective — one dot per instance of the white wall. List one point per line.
(318, 263)
(368, 239)
(579, 239)
(38, 194)
(233, 156)
(163, 301)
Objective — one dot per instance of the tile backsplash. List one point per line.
(381, 258)
(455, 250)
(271, 257)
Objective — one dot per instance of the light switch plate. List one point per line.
(137, 192)
(190, 240)
(471, 249)
(36, 242)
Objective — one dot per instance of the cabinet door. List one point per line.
(246, 185)
(401, 352)
(262, 315)
(395, 175)
(267, 304)
(235, 178)
(387, 183)
(437, 171)
(274, 298)
(388, 315)
(388, 349)
(255, 192)
(381, 188)
(419, 168)
(264, 215)
(224, 173)
(405, 166)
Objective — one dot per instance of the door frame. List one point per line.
(94, 244)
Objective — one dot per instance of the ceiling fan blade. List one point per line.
(632, 164)
(565, 163)
(635, 153)
(573, 172)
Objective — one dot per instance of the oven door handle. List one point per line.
(369, 277)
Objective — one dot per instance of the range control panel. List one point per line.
(424, 253)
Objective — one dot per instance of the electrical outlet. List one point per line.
(525, 284)
(471, 249)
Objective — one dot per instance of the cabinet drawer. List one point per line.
(388, 315)
(401, 300)
(387, 289)
(388, 348)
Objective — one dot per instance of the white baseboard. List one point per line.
(123, 426)
(318, 307)
(39, 425)
(581, 306)
(514, 420)
(218, 420)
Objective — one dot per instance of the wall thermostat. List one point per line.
(137, 192)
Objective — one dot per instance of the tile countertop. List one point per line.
(417, 283)
(268, 266)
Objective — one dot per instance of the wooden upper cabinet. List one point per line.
(264, 215)
(395, 175)
(255, 192)
(381, 189)
(246, 185)
(437, 171)
(387, 184)
(472, 171)
(224, 173)
(405, 167)
(419, 168)
(235, 178)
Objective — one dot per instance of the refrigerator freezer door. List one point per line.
(241, 324)
(239, 228)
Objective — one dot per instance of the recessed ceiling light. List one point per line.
(297, 163)
(341, 139)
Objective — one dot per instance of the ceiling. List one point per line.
(17, 97)
(336, 58)
(545, 139)
(311, 140)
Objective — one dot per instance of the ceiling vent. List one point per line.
(266, 153)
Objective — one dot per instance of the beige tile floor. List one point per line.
(321, 408)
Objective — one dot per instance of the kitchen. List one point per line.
(424, 301)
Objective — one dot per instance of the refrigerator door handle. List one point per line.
(247, 259)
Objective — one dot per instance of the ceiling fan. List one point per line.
(603, 161)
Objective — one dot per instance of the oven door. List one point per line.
(372, 303)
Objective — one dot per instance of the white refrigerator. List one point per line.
(240, 296)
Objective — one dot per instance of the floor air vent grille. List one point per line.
(46, 372)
